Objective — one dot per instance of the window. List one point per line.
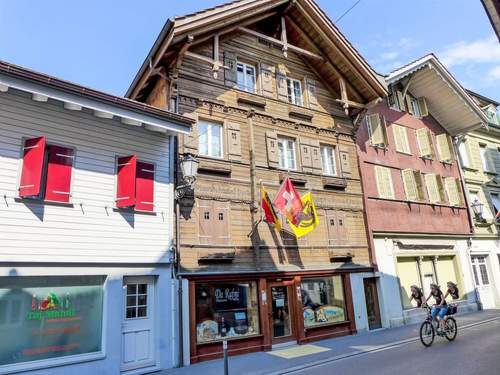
(424, 139)
(46, 171)
(246, 77)
(323, 300)
(464, 155)
(412, 181)
(435, 190)
(286, 151)
(210, 139)
(337, 227)
(445, 148)
(294, 89)
(225, 311)
(328, 160)
(401, 139)
(377, 130)
(495, 200)
(135, 184)
(137, 301)
(384, 182)
(454, 191)
(47, 317)
(486, 158)
(480, 271)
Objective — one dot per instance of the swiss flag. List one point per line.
(288, 201)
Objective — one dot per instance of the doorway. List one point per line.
(138, 336)
(372, 304)
(482, 281)
(281, 315)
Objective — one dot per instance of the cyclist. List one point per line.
(453, 292)
(417, 295)
(440, 307)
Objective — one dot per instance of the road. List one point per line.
(476, 351)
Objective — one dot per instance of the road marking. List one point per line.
(299, 351)
(374, 349)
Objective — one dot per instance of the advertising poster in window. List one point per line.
(49, 317)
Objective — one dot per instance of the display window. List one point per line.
(226, 310)
(323, 300)
(48, 317)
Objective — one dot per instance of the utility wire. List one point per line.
(347, 11)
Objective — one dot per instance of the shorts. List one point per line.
(440, 311)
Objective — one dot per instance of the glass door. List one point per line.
(281, 313)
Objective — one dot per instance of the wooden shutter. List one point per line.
(59, 169)
(267, 74)
(272, 149)
(408, 104)
(230, 72)
(376, 130)
(311, 92)
(281, 85)
(332, 227)
(474, 154)
(419, 183)
(401, 138)
(424, 142)
(205, 221)
(422, 104)
(433, 188)
(234, 141)
(191, 140)
(31, 174)
(345, 163)
(410, 185)
(305, 155)
(316, 156)
(144, 187)
(401, 100)
(384, 182)
(454, 191)
(221, 223)
(445, 147)
(125, 184)
(440, 187)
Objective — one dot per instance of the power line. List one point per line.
(347, 11)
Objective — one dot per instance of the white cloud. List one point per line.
(494, 73)
(389, 55)
(476, 52)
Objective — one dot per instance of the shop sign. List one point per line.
(230, 297)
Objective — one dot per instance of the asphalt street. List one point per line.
(476, 351)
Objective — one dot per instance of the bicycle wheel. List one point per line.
(451, 329)
(427, 333)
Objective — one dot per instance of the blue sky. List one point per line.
(102, 45)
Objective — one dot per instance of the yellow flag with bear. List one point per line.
(307, 219)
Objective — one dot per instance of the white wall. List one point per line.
(90, 230)
(490, 249)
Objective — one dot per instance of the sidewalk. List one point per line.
(267, 363)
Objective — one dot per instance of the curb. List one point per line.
(375, 349)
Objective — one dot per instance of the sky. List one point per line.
(102, 43)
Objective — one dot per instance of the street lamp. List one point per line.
(189, 168)
(477, 207)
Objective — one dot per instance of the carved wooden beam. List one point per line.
(204, 59)
(407, 86)
(283, 37)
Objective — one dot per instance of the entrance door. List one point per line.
(138, 339)
(281, 315)
(482, 281)
(372, 306)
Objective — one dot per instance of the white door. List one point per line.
(482, 281)
(138, 338)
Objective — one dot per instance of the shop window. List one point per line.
(49, 317)
(228, 310)
(323, 300)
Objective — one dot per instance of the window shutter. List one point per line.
(440, 187)
(410, 185)
(422, 104)
(234, 138)
(316, 156)
(401, 100)
(305, 155)
(433, 188)
(311, 92)
(144, 187)
(220, 223)
(205, 218)
(332, 227)
(384, 182)
(281, 84)
(125, 189)
(474, 154)
(424, 142)
(452, 190)
(191, 140)
(345, 163)
(400, 138)
(408, 104)
(230, 72)
(272, 149)
(376, 130)
(419, 185)
(60, 167)
(31, 175)
(445, 147)
(267, 74)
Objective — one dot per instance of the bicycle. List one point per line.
(428, 330)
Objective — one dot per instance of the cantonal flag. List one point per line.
(288, 201)
(270, 215)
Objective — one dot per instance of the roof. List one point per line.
(483, 98)
(492, 8)
(363, 83)
(104, 105)
(448, 102)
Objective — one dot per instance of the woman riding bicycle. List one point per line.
(417, 295)
(453, 292)
(440, 308)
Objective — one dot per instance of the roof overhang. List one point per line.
(492, 8)
(447, 100)
(75, 97)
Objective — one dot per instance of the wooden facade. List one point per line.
(222, 236)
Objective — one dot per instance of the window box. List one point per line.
(251, 100)
(301, 115)
(334, 182)
(216, 258)
(216, 166)
(296, 179)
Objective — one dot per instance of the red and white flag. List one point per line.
(288, 201)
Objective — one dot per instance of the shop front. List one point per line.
(256, 312)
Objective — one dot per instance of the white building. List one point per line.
(86, 228)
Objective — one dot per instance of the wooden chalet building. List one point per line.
(276, 90)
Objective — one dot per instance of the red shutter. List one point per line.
(144, 190)
(58, 187)
(31, 175)
(125, 190)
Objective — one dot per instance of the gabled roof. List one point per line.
(308, 28)
(447, 100)
(492, 8)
